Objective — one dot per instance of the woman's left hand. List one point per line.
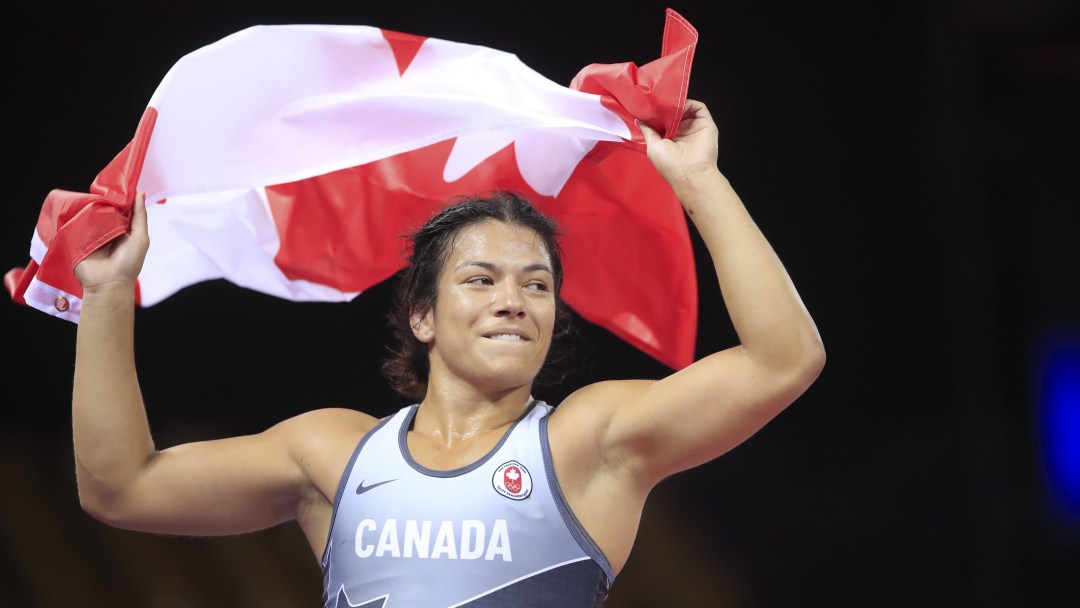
(692, 151)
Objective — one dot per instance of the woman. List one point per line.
(479, 495)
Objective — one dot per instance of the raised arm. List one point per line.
(656, 428)
(216, 487)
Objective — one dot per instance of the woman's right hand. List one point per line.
(120, 260)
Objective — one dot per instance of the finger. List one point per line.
(647, 132)
(693, 108)
(138, 215)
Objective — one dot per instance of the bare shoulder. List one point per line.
(591, 407)
(323, 433)
(321, 442)
(325, 426)
(330, 417)
(605, 393)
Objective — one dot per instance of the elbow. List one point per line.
(807, 365)
(815, 359)
(103, 504)
(112, 497)
(112, 513)
(797, 354)
(100, 508)
(95, 507)
(812, 365)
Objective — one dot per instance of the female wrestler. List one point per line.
(479, 494)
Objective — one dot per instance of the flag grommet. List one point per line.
(61, 303)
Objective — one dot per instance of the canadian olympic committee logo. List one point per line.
(512, 480)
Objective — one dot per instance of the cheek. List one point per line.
(457, 308)
(545, 317)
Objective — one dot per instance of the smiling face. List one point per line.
(492, 321)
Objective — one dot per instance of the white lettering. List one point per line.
(472, 539)
(444, 542)
(466, 541)
(388, 540)
(500, 542)
(418, 538)
(361, 549)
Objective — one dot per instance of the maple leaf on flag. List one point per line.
(288, 159)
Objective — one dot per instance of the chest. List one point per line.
(435, 454)
(393, 505)
(442, 536)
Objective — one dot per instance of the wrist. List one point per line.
(110, 290)
(694, 182)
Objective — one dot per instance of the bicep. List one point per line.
(700, 412)
(208, 488)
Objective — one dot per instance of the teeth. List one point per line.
(506, 337)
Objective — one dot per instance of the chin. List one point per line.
(510, 377)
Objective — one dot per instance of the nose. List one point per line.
(508, 301)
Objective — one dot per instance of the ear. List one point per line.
(423, 326)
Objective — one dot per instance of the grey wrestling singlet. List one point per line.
(495, 533)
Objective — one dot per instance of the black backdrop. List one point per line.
(914, 166)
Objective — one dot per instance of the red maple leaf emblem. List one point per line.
(512, 480)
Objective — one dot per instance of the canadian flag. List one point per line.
(290, 159)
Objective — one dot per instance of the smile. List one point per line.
(507, 337)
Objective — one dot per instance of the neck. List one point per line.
(457, 413)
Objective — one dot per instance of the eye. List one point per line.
(479, 281)
(537, 286)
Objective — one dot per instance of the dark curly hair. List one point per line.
(417, 290)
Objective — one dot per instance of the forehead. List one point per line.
(498, 242)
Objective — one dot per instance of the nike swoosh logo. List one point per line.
(360, 489)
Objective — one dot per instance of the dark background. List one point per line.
(914, 165)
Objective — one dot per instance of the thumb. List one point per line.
(647, 132)
(138, 213)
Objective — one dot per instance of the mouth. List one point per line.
(506, 337)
